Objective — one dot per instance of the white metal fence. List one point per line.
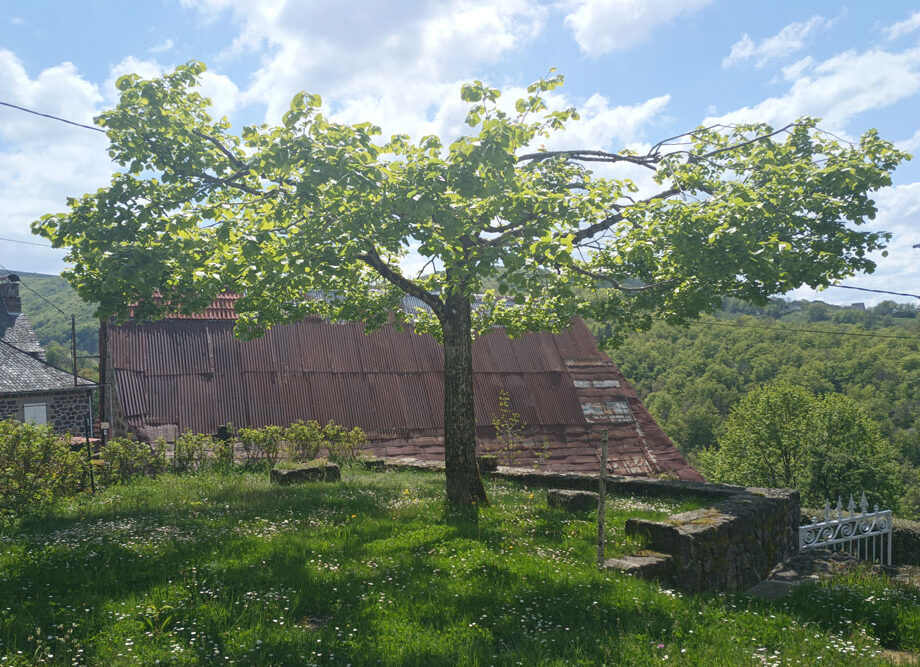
(863, 534)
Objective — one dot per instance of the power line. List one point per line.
(40, 245)
(877, 291)
(48, 115)
(813, 331)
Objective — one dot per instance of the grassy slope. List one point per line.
(223, 568)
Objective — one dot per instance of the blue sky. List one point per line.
(640, 70)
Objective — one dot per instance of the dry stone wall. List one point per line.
(729, 546)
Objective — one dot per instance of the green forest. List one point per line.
(692, 377)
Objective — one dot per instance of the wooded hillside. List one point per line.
(691, 377)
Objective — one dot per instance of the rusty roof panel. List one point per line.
(193, 373)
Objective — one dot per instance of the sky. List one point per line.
(638, 70)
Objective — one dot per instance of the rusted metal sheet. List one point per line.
(191, 372)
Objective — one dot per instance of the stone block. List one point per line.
(306, 473)
(570, 500)
(373, 464)
(647, 565)
(487, 463)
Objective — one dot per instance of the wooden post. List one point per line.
(601, 501)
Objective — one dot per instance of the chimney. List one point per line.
(9, 296)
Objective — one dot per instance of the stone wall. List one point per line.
(65, 410)
(729, 546)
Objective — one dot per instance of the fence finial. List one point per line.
(863, 503)
(839, 507)
(827, 510)
(851, 506)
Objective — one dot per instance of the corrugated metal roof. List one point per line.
(193, 374)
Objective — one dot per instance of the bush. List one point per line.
(304, 440)
(343, 445)
(905, 542)
(123, 458)
(272, 439)
(225, 446)
(262, 444)
(191, 451)
(36, 467)
(251, 442)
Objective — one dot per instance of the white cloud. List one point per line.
(904, 27)
(898, 213)
(911, 144)
(42, 161)
(224, 94)
(163, 47)
(788, 40)
(146, 69)
(399, 65)
(605, 127)
(601, 26)
(796, 69)
(838, 89)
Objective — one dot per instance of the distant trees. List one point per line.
(690, 378)
(825, 446)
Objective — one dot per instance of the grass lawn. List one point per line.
(222, 568)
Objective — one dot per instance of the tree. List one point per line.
(311, 205)
(825, 446)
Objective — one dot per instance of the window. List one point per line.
(35, 413)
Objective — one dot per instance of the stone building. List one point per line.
(31, 389)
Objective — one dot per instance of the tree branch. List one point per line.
(607, 222)
(614, 283)
(372, 259)
(239, 164)
(588, 156)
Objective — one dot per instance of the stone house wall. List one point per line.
(65, 409)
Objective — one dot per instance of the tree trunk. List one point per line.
(465, 491)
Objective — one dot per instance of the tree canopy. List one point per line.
(825, 446)
(311, 206)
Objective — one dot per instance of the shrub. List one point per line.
(224, 453)
(251, 442)
(36, 467)
(123, 458)
(225, 446)
(343, 445)
(272, 439)
(509, 428)
(304, 440)
(191, 451)
(262, 444)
